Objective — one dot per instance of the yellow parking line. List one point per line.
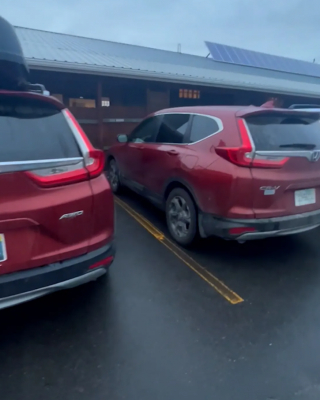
(213, 281)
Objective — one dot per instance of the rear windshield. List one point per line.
(285, 132)
(31, 129)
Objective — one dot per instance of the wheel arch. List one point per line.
(110, 157)
(174, 183)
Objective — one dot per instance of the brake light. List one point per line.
(94, 159)
(58, 179)
(95, 163)
(244, 155)
(91, 166)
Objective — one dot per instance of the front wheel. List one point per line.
(181, 215)
(113, 176)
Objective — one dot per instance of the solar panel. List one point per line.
(235, 55)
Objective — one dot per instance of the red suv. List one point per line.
(57, 212)
(236, 172)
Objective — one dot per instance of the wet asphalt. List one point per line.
(153, 329)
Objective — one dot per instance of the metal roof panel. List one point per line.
(56, 51)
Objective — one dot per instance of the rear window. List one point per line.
(31, 129)
(285, 132)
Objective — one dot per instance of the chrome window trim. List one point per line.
(15, 166)
(286, 153)
(77, 136)
(218, 121)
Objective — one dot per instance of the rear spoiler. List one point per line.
(302, 106)
(250, 111)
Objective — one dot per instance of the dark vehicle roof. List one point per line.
(48, 99)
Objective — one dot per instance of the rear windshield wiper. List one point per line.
(306, 146)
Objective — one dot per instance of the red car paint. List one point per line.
(224, 172)
(33, 202)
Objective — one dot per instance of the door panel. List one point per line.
(132, 163)
(163, 159)
(131, 155)
(161, 162)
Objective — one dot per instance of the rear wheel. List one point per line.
(113, 175)
(181, 214)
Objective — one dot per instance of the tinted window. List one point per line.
(202, 127)
(32, 129)
(173, 128)
(278, 132)
(146, 131)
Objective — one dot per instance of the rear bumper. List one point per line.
(210, 225)
(27, 285)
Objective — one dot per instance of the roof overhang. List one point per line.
(59, 66)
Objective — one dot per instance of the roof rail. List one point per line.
(37, 88)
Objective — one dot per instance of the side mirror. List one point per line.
(122, 138)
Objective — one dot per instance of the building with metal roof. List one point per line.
(110, 86)
(61, 52)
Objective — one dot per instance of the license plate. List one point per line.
(304, 197)
(3, 250)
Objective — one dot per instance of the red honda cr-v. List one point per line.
(56, 213)
(236, 172)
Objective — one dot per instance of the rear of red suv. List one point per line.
(56, 206)
(271, 158)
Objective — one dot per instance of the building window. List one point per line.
(105, 102)
(189, 94)
(82, 103)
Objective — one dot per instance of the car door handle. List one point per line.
(172, 152)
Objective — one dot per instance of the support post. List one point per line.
(100, 116)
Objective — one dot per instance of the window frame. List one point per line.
(139, 126)
(187, 133)
(188, 130)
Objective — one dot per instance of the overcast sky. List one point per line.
(291, 28)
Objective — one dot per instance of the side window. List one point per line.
(202, 127)
(173, 128)
(147, 131)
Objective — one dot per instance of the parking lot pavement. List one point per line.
(155, 329)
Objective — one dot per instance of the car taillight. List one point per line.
(94, 159)
(59, 177)
(91, 166)
(244, 155)
(95, 163)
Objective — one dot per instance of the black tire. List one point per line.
(184, 227)
(113, 175)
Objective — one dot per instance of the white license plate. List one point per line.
(304, 197)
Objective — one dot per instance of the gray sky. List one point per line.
(291, 28)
